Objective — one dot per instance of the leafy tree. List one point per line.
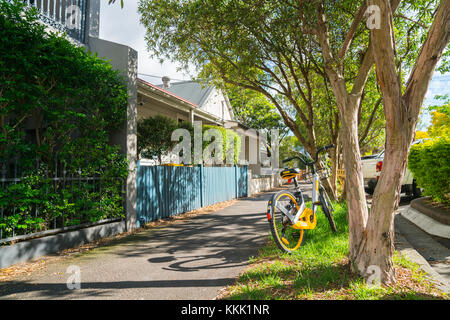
(440, 121)
(154, 136)
(254, 110)
(421, 135)
(429, 162)
(114, 1)
(400, 122)
(280, 48)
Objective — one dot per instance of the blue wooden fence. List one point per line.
(163, 191)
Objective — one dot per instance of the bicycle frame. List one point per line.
(314, 201)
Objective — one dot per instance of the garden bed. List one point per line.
(434, 210)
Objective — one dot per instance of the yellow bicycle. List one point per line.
(287, 213)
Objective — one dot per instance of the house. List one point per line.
(207, 98)
(157, 100)
(193, 101)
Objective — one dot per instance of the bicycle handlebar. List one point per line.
(330, 146)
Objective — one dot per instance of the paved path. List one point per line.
(436, 256)
(190, 260)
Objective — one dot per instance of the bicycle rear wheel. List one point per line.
(327, 209)
(285, 236)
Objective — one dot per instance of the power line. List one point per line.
(159, 77)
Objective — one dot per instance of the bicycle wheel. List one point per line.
(327, 209)
(285, 236)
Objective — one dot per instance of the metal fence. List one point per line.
(163, 191)
(68, 16)
(66, 186)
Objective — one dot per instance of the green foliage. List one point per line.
(430, 164)
(58, 107)
(154, 136)
(229, 139)
(440, 121)
(254, 110)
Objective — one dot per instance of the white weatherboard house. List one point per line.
(156, 100)
(207, 98)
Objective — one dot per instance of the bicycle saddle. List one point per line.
(289, 173)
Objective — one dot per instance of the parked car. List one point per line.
(371, 167)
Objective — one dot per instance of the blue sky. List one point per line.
(123, 26)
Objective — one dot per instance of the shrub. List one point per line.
(58, 106)
(430, 164)
(154, 136)
(229, 139)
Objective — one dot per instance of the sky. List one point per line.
(122, 25)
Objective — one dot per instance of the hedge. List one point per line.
(58, 107)
(430, 164)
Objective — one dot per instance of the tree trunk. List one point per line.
(401, 114)
(312, 149)
(355, 196)
(377, 247)
(334, 153)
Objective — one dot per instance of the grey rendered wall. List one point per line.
(93, 19)
(124, 59)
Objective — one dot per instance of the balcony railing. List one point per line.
(68, 16)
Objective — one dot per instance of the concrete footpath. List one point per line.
(193, 259)
(423, 249)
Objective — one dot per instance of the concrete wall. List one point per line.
(30, 249)
(258, 184)
(124, 59)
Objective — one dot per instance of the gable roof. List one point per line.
(173, 95)
(190, 90)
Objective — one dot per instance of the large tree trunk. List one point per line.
(356, 199)
(401, 114)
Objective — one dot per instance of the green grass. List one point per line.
(320, 270)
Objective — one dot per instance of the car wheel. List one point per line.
(416, 190)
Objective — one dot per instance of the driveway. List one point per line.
(189, 260)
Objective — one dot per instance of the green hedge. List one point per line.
(58, 107)
(229, 139)
(430, 164)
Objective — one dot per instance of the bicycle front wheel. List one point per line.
(327, 209)
(285, 236)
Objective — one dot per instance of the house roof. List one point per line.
(173, 95)
(190, 90)
(175, 101)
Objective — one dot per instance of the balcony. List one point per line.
(69, 16)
